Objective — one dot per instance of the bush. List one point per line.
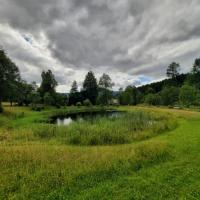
(1, 108)
(37, 108)
(170, 95)
(58, 106)
(87, 102)
(78, 104)
(48, 99)
(188, 95)
(153, 99)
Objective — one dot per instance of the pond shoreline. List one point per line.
(75, 111)
(82, 116)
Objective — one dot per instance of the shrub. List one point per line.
(78, 104)
(170, 95)
(48, 99)
(87, 102)
(58, 106)
(153, 99)
(188, 95)
(1, 108)
(37, 108)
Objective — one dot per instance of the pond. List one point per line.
(70, 118)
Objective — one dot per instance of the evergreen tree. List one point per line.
(196, 66)
(74, 94)
(194, 76)
(90, 87)
(74, 88)
(173, 70)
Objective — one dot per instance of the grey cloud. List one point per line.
(134, 37)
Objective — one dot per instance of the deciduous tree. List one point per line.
(48, 84)
(188, 95)
(9, 75)
(170, 95)
(105, 86)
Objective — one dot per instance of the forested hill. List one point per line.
(158, 86)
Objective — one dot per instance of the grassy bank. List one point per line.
(128, 127)
(165, 166)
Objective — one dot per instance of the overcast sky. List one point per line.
(131, 40)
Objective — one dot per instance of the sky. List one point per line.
(131, 40)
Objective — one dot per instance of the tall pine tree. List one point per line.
(194, 77)
(90, 87)
(74, 88)
(74, 95)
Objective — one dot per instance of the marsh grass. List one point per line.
(25, 125)
(127, 128)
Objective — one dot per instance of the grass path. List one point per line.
(164, 167)
(178, 178)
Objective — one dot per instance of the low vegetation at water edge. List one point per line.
(129, 127)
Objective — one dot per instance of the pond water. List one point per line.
(70, 118)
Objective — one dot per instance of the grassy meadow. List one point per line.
(146, 153)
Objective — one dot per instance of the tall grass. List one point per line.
(36, 171)
(127, 128)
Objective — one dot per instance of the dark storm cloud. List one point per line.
(124, 37)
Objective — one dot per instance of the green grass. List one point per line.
(164, 165)
(127, 128)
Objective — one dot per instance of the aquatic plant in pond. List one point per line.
(126, 128)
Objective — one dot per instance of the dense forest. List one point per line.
(177, 90)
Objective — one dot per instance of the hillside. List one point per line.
(158, 86)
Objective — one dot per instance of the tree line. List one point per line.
(14, 89)
(178, 89)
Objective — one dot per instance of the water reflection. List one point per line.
(64, 122)
(68, 119)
